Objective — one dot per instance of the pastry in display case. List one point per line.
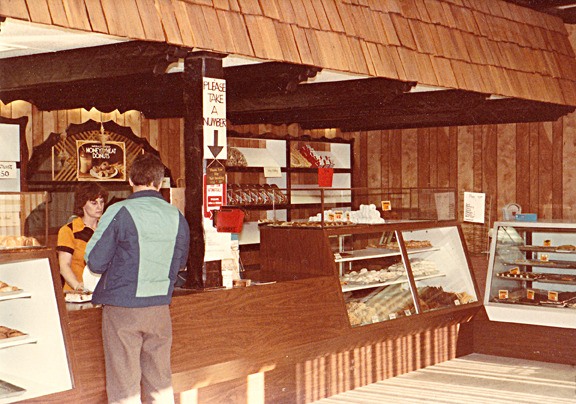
(23, 220)
(394, 274)
(532, 273)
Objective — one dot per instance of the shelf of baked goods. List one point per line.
(348, 286)
(396, 301)
(256, 196)
(248, 158)
(10, 337)
(541, 277)
(375, 252)
(564, 249)
(18, 294)
(547, 263)
(9, 292)
(538, 297)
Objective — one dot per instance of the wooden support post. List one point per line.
(197, 65)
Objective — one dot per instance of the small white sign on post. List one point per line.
(474, 207)
(272, 172)
(214, 118)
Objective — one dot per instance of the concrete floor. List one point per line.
(472, 379)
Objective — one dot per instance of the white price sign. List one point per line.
(8, 170)
(272, 172)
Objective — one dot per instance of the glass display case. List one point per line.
(34, 332)
(385, 271)
(398, 273)
(532, 273)
(23, 220)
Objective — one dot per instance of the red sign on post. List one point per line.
(214, 197)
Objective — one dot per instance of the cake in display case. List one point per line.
(532, 273)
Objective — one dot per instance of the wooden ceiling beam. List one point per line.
(346, 109)
(99, 62)
(490, 112)
(277, 77)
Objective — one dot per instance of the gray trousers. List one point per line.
(137, 344)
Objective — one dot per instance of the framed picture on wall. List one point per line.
(97, 161)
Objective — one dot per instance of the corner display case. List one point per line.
(532, 274)
(385, 271)
(33, 354)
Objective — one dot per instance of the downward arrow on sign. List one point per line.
(215, 149)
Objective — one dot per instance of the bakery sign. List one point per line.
(97, 161)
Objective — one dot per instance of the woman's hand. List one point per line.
(80, 287)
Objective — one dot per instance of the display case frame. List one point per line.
(531, 278)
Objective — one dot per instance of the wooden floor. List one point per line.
(472, 379)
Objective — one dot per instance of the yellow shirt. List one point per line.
(72, 238)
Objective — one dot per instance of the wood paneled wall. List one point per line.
(528, 163)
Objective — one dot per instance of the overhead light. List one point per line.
(497, 97)
(420, 88)
(566, 7)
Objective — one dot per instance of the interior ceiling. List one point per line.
(57, 69)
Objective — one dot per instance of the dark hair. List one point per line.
(146, 169)
(87, 191)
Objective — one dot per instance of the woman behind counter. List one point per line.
(89, 201)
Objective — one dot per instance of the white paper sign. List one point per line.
(218, 246)
(214, 118)
(10, 141)
(272, 172)
(474, 206)
(8, 170)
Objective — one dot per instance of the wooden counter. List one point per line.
(286, 342)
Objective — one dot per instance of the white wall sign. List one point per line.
(214, 118)
(10, 141)
(474, 207)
